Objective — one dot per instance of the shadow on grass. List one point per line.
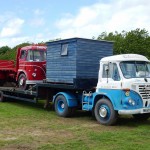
(39, 105)
(126, 121)
(131, 122)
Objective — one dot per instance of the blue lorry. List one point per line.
(83, 74)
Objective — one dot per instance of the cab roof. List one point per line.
(125, 57)
(34, 47)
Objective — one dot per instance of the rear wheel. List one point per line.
(104, 112)
(141, 116)
(22, 82)
(61, 106)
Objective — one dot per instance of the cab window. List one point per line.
(23, 54)
(111, 72)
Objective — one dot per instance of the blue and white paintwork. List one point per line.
(126, 95)
(125, 103)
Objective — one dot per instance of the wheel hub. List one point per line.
(62, 106)
(21, 81)
(103, 112)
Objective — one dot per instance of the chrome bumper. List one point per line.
(134, 111)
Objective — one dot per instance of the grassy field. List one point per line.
(26, 126)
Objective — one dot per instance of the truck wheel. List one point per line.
(61, 106)
(2, 98)
(141, 117)
(104, 112)
(22, 82)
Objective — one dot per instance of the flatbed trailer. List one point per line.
(41, 91)
(16, 93)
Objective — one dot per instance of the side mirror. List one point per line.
(106, 68)
(107, 71)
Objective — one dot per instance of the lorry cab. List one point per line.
(31, 65)
(124, 80)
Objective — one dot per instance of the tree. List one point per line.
(11, 53)
(135, 41)
(4, 49)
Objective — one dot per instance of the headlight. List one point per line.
(131, 102)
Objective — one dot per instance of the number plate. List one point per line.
(146, 110)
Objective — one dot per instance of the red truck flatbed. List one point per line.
(7, 65)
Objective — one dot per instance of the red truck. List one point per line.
(28, 69)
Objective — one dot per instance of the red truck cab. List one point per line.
(31, 65)
(29, 68)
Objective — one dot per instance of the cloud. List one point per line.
(37, 22)
(12, 27)
(38, 12)
(13, 41)
(111, 16)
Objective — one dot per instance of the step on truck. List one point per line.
(76, 79)
(28, 68)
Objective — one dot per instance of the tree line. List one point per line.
(135, 41)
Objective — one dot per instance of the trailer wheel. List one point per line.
(61, 106)
(141, 117)
(2, 98)
(22, 81)
(104, 112)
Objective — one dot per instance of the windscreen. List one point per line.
(36, 55)
(135, 69)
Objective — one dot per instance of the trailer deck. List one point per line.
(16, 93)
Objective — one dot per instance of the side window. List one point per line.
(112, 71)
(23, 54)
(105, 71)
(64, 49)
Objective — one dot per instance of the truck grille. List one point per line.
(144, 91)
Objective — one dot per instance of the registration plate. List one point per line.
(146, 110)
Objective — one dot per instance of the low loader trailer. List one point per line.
(75, 79)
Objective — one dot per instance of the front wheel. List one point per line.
(104, 112)
(61, 106)
(22, 82)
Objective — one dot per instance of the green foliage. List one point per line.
(10, 54)
(135, 41)
(4, 49)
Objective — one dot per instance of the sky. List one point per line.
(43, 20)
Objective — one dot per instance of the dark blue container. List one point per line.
(75, 61)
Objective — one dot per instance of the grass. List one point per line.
(27, 126)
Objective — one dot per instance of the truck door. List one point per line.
(22, 60)
(110, 80)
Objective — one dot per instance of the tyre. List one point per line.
(141, 117)
(2, 98)
(104, 112)
(22, 82)
(61, 106)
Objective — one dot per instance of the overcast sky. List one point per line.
(43, 20)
